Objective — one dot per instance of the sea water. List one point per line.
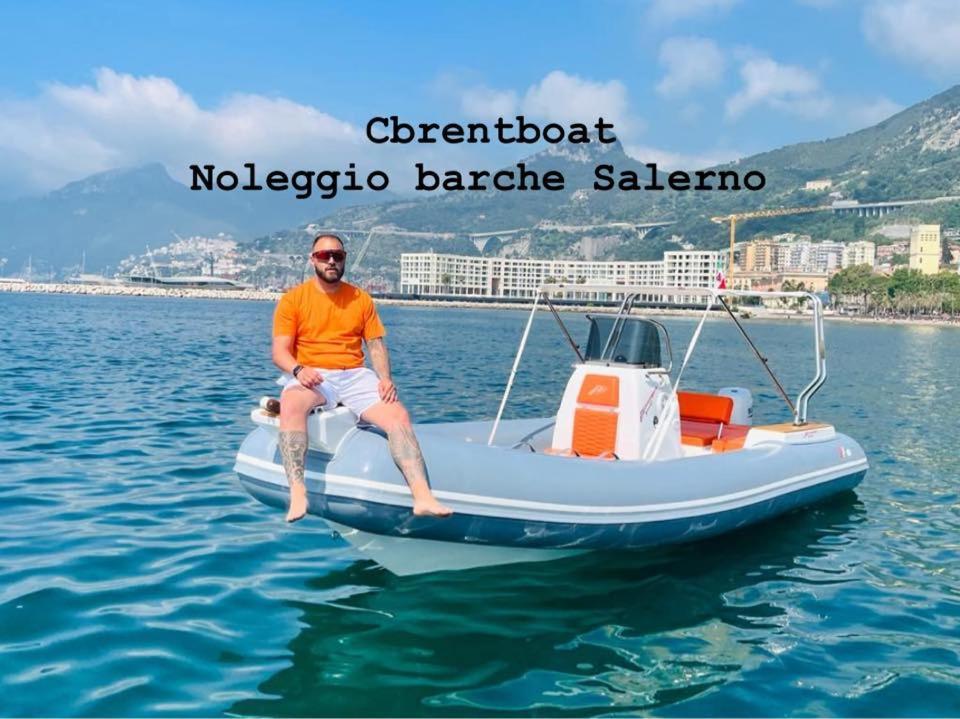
(138, 578)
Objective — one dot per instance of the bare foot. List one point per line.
(298, 503)
(430, 508)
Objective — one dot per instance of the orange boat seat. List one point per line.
(703, 417)
(733, 438)
(703, 407)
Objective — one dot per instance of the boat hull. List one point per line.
(512, 505)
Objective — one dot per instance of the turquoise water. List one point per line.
(137, 577)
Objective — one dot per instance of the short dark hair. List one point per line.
(320, 235)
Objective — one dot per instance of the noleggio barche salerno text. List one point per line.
(329, 182)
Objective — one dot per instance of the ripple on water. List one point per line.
(139, 579)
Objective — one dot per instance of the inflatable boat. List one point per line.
(628, 461)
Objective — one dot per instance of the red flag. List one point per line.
(721, 281)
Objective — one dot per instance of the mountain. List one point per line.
(113, 214)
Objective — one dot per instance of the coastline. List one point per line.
(265, 296)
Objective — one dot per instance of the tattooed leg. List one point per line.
(406, 453)
(293, 451)
(295, 405)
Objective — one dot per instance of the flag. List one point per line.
(721, 281)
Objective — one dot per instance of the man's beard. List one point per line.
(321, 274)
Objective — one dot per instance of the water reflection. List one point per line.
(613, 632)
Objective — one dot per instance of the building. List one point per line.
(795, 254)
(862, 252)
(828, 257)
(431, 273)
(925, 248)
(759, 256)
(818, 185)
(692, 268)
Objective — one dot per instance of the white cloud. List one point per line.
(670, 160)
(68, 132)
(484, 103)
(787, 88)
(560, 97)
(925, 33)
(690, 63)
(665, 12)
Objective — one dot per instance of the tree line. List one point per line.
(905, 293)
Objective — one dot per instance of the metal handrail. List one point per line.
(820, 348)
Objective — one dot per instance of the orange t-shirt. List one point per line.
(327, 328)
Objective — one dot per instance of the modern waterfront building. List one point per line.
(431, 273)
(862, 252)
(925, 248)
(692, 268)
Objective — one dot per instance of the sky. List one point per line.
(86, 87)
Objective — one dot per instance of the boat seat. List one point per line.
(698, 434)
(721, 437)
(595, 419)
(702, 407)
(733, 438)
(703, 417)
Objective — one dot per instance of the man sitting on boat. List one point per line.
(318, 327)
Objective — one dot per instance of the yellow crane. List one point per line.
(775, 212)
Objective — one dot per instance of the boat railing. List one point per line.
(710, 297)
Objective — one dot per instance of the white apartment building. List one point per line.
(828, 257)
(692, 268)
(431, 273)
(809, 256)
(862, 252)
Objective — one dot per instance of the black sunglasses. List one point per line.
(327, 255)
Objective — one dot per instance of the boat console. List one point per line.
(619, 394)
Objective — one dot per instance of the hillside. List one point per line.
(117, 213)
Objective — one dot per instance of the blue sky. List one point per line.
(85, 87)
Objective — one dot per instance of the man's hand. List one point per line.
(388, 390)
(309, 377)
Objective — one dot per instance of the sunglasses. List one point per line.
(327, 255)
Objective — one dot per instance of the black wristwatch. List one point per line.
(296, 370)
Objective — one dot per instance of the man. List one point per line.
(317, 331)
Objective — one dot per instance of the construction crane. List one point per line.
(776, 212)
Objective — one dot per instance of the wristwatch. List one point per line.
(296, 370)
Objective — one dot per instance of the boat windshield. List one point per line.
(638, 342)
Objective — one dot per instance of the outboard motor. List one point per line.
(742, 404)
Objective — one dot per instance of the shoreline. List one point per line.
(265, 296)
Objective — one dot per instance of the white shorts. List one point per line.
(356, 389)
